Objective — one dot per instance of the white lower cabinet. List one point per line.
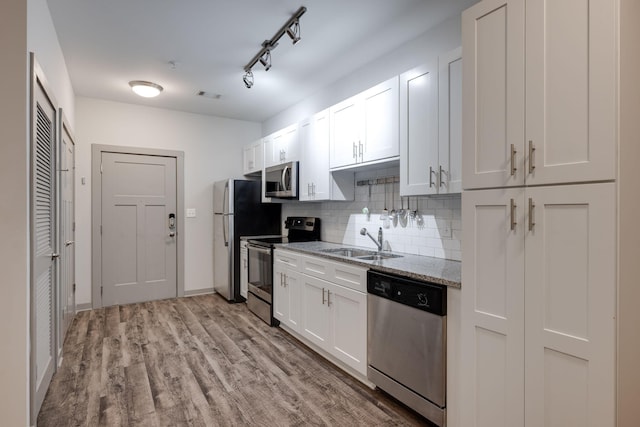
(325, 303)
(286, 289)
(244, 269)
(538, 306)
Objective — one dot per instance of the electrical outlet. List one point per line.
(191, 213)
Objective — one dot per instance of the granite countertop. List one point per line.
(435, 270)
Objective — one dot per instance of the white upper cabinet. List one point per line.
(253, 158)
(431, 127)
(450, 122)
(314, 175)
(571, 86)
(570, 92)
(493, 90)
(419, 130)
(364, 128)
(380, 122)
(282, 146)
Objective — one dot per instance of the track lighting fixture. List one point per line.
(248, 79)
(294, 32)
(291, 28)
(265, 60)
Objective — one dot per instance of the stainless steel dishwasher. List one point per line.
(407, 342)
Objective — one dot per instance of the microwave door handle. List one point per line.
(283, 180)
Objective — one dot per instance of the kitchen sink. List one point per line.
(378, 257)
(361, 254)
(351, 253)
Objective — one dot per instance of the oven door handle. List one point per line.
(259, 249)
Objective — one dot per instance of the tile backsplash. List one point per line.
(435, 231)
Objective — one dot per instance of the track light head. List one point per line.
(265, 60)
(248, 79)
(293, 32)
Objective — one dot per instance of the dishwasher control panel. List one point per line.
(425, 296)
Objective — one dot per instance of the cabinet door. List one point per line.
(293, 317)
(348, 326)
(248, 159)
(381, 134)
(492, 379)
(571, 90)
(450, 122)
(268, 149)
(570, 306)
(493, 93)
(315, 178)
(285, 145)
(345, 126)
(244, 270)
(280, 296)
(315, 312)
(419, 130)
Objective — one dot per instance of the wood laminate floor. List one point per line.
(199, 361)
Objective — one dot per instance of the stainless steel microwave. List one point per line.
(281, 181)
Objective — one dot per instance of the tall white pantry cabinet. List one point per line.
(543, 125)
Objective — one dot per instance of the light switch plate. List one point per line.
(191, 213)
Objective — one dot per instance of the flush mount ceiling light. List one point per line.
(145, 89)
(291, 28)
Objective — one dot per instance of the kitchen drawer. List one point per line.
(288, 258)
(340, 273)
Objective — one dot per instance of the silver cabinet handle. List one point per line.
(172, 234)
(440, 172)
(54, 255)
(328, 298)
(360, 149)
(531, 209)
(513, 160)
(322, 296)
(69, 242)
(355, 152)
(430, 177)
(532, 165)
(513, 214)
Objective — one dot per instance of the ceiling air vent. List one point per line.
(209, 95)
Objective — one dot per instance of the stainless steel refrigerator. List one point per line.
(238, 211)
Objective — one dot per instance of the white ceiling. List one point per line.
(107, 43)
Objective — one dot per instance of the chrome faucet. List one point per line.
(378, 242)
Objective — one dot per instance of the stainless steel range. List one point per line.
(260, 295)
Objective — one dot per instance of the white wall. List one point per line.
(212, 149)
(43, 41)
(24, 26)
(14, 285)
(441, 38)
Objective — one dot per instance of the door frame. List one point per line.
(96, 212)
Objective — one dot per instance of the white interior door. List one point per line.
(66, 298)
(43, 245)
(139, 228)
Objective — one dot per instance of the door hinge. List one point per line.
(100, 167)
(74, 288)
(73, 226)
(101, 230)
(101, 289)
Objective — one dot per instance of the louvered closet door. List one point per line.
(43, 243)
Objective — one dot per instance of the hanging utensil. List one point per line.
(393, 213)
(385, 213)
(402, 214)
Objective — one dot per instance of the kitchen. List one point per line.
(94, 120)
